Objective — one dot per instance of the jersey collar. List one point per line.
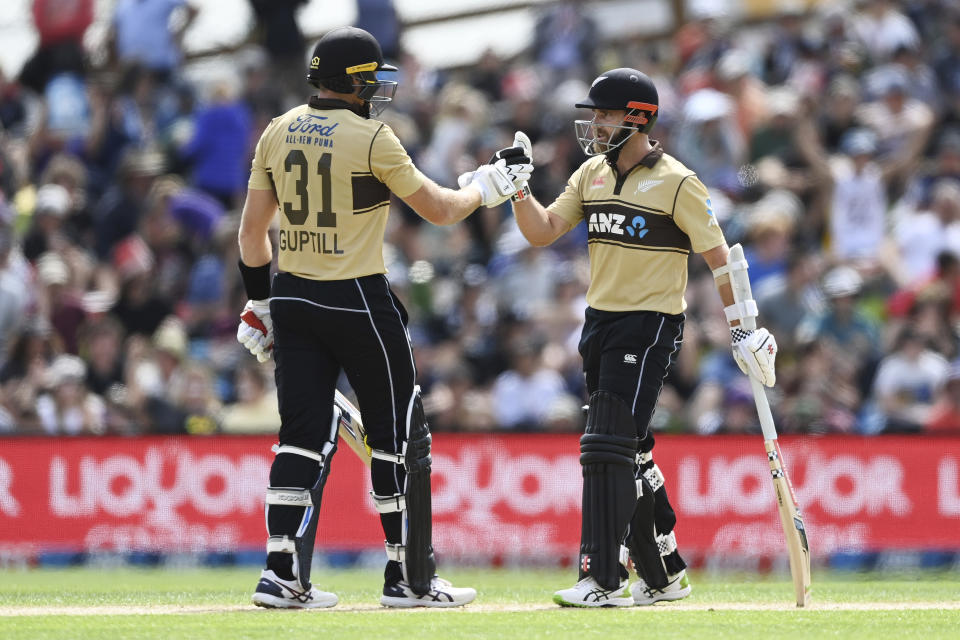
(649, 160)
(317, 102)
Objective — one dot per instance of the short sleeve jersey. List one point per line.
(332, 172)
(640, 230)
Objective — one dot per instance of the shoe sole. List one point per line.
(666, 597)
(609, 604)
(268, 601)
(407, 603)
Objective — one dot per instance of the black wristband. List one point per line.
(256, 280)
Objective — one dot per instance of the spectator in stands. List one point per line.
(921, 236)
(141, 34)
(193, 395)
(379, 18)
(255, 409)
(882, 29)
(843, 326)
(785, 302)
(523, 394)
(899, 146)
(58, 299)
(277, 30)
(101, 347)
(67, 407)
(858, 215)
(944, 416)
(565, 40)
(118, 212)
(60, 26)
(15, 290)
(46, 232)
(13, 111)
(219, 152)
(908, 380)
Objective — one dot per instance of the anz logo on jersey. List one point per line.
(630, 227)
(614, 223)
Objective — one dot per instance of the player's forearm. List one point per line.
(443, 206)
(258, 210)
(255, 252)
(716, 258)
(535, 222)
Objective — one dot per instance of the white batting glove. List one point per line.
(255, 331)
(755, 352)
(520, 158)
(494, 182)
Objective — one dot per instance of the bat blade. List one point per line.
(351, 427)
(794, 532)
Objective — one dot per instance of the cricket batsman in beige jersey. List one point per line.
(327, 169)
(645, 212)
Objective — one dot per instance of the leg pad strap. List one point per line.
(389, 504)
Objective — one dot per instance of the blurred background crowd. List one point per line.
(827, 132)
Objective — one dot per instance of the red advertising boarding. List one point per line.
(506, 495)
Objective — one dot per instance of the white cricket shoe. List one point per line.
(677, 588)
(441, 594)
(587, 593)
(276, 593)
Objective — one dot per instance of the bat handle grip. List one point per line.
(763, 410)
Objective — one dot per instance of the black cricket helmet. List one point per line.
(346, 60)
(621, 89)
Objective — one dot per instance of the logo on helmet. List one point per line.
(315, 63)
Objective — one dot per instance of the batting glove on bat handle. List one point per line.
(255, 331)
(755, 351)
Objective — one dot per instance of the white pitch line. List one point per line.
(13, 611)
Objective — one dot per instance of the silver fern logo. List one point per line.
(646, 185)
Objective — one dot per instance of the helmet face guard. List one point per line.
(377, 93)
(589, 138)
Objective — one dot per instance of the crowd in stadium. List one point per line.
(829, 139)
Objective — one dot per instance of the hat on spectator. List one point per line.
(844, 85)
(707, 104)
(66, 368)
(734, 64)
(842, 281)
(783, 101)
(170, 337)
(196, 212)
(859, 142)
(51, 269)
(142, 162)
(53, 199)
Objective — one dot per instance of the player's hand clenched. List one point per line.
(513, 163)
(255, 331)
(493, 181)
(755, 352)
(518, 160)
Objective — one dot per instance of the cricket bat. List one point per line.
(351, 427)
(790, 517)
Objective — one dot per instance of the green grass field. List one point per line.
(205, 604)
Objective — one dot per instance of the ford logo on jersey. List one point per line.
(309, 123)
